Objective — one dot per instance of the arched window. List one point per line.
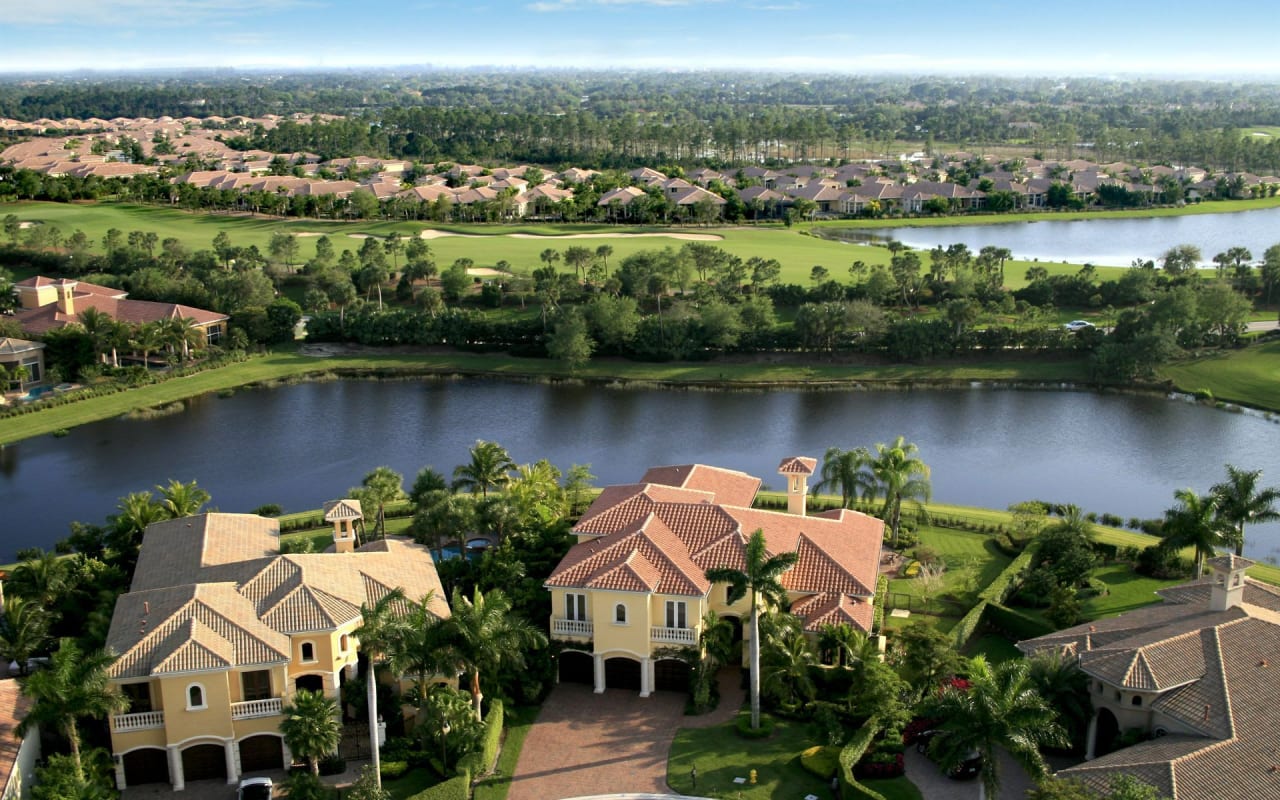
(195, 697)
(342, 643)
(1137, 700)
(308, 651)
(620, 613)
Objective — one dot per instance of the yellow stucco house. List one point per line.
(633, 591)
(219, 630)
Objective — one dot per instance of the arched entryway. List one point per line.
(576, 668)
(312, 683)
(671, 675)
(622, 672)
(147, 765)
(263, 752)
(203, 762)
(1108, 731)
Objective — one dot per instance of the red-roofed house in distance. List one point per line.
(48, 303)
(628, 599)
(18, 757)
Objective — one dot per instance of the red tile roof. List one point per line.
(13, 708)
(727, 486)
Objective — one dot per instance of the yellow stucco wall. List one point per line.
(124, 742)
(611, 636)
(213, 720)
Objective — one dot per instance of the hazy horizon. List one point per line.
(1089, 38)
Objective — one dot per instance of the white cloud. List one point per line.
(570, 5)
(129, 13)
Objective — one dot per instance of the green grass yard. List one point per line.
(1250, 376)
(721, 755)
(519, 721)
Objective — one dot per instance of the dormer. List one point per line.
(1228, 581)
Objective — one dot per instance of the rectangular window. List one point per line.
(575, 607)
(139, 697)
(676, 614)
(256, 684)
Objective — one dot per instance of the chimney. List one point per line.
(344, 514)
(1228, 581)
(66, 298)
(797, 469)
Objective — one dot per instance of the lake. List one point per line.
(1099, 241)
(298, 446)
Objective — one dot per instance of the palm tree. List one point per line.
(847, 645)
(786, 661)
(381, 486)
(1000, 710)
(1058, 679)
(717, 638)
(180, 499)
(848, 471)
(24, 630)
(489, 468)
(42, 579)
(181, 334)
(74, 685)
(603, 252)
(146, 338)
(901, 475)
(311, 727)
(1195, 522)
(761, 576)
(381, 629)
(485, 635)
(98, 325)
(137, 510)
(1240, 501)
(422, 651)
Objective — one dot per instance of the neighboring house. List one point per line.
(20, 353)
(1199, 674)
(17, 756)
(49, 303)
(219, 630)
(628, 599)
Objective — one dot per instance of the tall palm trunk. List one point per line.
(372, 700)
(755, 662)
(476, 694)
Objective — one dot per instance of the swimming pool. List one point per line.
(35, 393)
(478, 544)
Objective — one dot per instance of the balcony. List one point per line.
(675, 635)
(570, 627)
(121, 723)
(256, 708)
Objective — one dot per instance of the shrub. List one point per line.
(912, 570)
(393, 769)
(743, 724)
(1163, 563)
(458, 788)
(333, 764)
(821, 761)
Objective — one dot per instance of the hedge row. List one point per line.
(882, 591)
(1014, 623)
(994, 594)
(850, 789)
(492, 733)
(458, 788)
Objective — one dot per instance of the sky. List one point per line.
(1180, 38)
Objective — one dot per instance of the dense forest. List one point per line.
(623, 119)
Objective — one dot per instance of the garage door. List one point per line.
(204, 762)
(622, 673)
(577, 668)
(671, 676)
(259, 753)
(146, 766)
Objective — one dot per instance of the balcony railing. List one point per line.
(137, 722)
(675, 635)
(570, 627)
(256, 708)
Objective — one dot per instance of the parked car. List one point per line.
(1078, 325)
(965, 770)
(254, 789)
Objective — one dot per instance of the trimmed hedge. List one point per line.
(1015, 623)
(821, 761)
(458, 788)
(743, 725)
(492, 740)
(392, 769)
(850, 789)
(882, 592)
(968, 624)
(995, 594)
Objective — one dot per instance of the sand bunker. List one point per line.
(485, 272)
(27, 224)
(687, 237)
(307, 234)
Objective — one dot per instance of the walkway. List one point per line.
(587, 744)
(933, 785)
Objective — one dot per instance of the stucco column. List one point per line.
(232, 754)
(175, 768)
(646, 677)
(1091, 738)
(120, 784)
(285, 753)
(599, 670)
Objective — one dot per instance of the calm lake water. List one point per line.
(301, 445)
(1104, 242)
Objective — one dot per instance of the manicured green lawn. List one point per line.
(1250, 376)
(994, 647)
(972, 561)
(1126, 590)
(894, 788)
(413, 782)
(721, 755)
(519, 721)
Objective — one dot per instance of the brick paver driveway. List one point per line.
(589, 744)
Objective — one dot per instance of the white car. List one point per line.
(254, 789)
(1078, 325)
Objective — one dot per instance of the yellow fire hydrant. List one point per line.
(753, 777)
